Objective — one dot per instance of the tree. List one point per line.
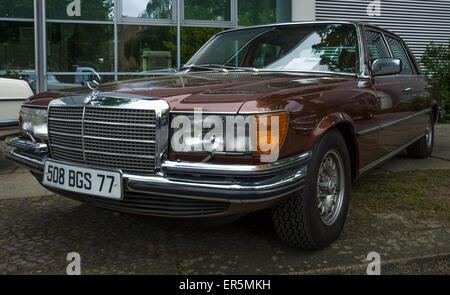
(255, 12)
(436, 60)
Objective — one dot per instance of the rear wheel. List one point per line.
(424, 146)
(313, 218)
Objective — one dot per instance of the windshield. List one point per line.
(311, 47)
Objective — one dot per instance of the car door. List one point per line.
(368, 135)
(416, 97)
(395, 93)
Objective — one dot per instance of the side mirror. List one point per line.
(386, 66)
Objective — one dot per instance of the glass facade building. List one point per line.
(55, 44)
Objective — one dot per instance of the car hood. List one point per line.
(215, 92)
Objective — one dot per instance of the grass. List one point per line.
(422, 194)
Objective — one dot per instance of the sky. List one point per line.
(133, 7)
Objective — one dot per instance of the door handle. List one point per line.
(406, 90)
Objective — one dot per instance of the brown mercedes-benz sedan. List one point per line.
(280, 116)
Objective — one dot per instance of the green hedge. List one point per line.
(436, 60)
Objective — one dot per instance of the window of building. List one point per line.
(257, 12)
(76, 47)
(120, 39)
(146, 48)
(147, 9)
(17, 8)
(63, 81)
(209, 10)
(97, 10)
(399, 52)
(17, 50)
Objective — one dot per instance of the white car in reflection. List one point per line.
(53, 84)
(12, 94)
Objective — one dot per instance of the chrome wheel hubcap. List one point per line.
(330, 187)
(429, 134)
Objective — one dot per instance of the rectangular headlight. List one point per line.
(34, 121)
(256, 134)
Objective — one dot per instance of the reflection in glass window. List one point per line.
(61, 82)
(297, 48)
(146, 48)
(192, 38)
(17, 8)
(376, 46)
(102, 10)
(399, 52)
(79, 47)
(256, 12)
(153, 9)
(16, 48)
(211, 10)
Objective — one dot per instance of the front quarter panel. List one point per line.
(344, 102)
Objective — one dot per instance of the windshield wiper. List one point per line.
(223, 68)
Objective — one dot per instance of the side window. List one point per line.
(399, 52)
(376, 47)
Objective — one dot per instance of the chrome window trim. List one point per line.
(390, 124)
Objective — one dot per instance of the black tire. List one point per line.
(297, 220)
(423, 147)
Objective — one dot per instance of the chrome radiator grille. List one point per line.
(103, 136)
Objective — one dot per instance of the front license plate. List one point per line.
(103, 183)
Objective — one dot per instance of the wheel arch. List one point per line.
(344, 124)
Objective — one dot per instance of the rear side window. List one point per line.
(399, 52)
(375, 46)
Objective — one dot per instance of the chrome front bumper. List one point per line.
(200, 181)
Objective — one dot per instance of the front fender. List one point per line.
(344, 123)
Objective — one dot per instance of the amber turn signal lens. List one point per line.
(271, 131)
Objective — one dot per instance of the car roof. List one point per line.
(351, 22)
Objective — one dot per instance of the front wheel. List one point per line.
(314, 217)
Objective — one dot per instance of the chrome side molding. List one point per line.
(389, 155)
(383, 126)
